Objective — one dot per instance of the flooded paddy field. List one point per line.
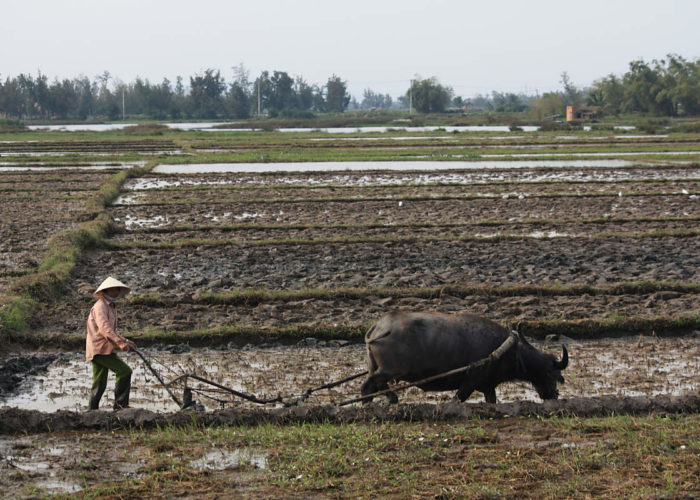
(221, 194)
(643, 366)
(266, 281)
(411, 211)
(370, 177)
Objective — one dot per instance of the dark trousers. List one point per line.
(101, 366)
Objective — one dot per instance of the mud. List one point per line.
(455, 211)
(384, 178)
(14, 370)
(418, 162)
(142, 229)
(204, 194)
(645, 366)
(400, 264)
(14, 421)
(38, 204)
(182, 313)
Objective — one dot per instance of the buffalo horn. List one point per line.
(560, 365)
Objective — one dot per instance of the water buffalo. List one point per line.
(414, 346)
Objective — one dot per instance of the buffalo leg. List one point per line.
(376, 383)
(490, 395)
(470, 384)
(465, 390)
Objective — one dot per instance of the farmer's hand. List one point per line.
(130, 345)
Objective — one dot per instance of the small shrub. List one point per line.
(686, 128)
(648, 128)
(146, 129)
(8, 125)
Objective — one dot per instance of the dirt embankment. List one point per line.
(13, 421)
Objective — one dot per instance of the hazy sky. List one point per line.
(474, 46)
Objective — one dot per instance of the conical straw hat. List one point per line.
(111, 283)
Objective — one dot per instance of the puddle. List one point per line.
(381, 179)
(128, 199)
(64, 463)
(535, 234)
(131, 222)
(623, 367)
(216, 459)
(195, 168)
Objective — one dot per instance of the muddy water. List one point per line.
(612, 367)
(335, 166)
(381, 178)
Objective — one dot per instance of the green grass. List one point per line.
(568, 457)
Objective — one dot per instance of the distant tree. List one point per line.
(572, 95)
(429, 96)
(508, 102)
(282, 94)
(608, 92)
(304, 94)
(372, 100)
(550, 105)
(206, 94)
(682, 84)
(337, 97)
(237, 101)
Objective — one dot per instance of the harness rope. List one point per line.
(496, 354)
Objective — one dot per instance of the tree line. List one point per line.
(208, 96)
(667, 87)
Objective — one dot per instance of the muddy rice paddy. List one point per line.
(250, 260)
(644, 366)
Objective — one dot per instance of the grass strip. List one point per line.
(253, 297)
(579, 329)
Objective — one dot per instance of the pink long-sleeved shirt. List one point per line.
(102, 336)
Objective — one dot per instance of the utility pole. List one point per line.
(410, 99)
(258, 96)
(122, 103)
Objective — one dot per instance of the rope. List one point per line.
(496, 354)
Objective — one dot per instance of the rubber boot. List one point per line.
(121, 393)
(95, 396)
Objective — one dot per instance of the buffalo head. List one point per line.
(541, 369)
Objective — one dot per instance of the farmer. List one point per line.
(102, 342)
